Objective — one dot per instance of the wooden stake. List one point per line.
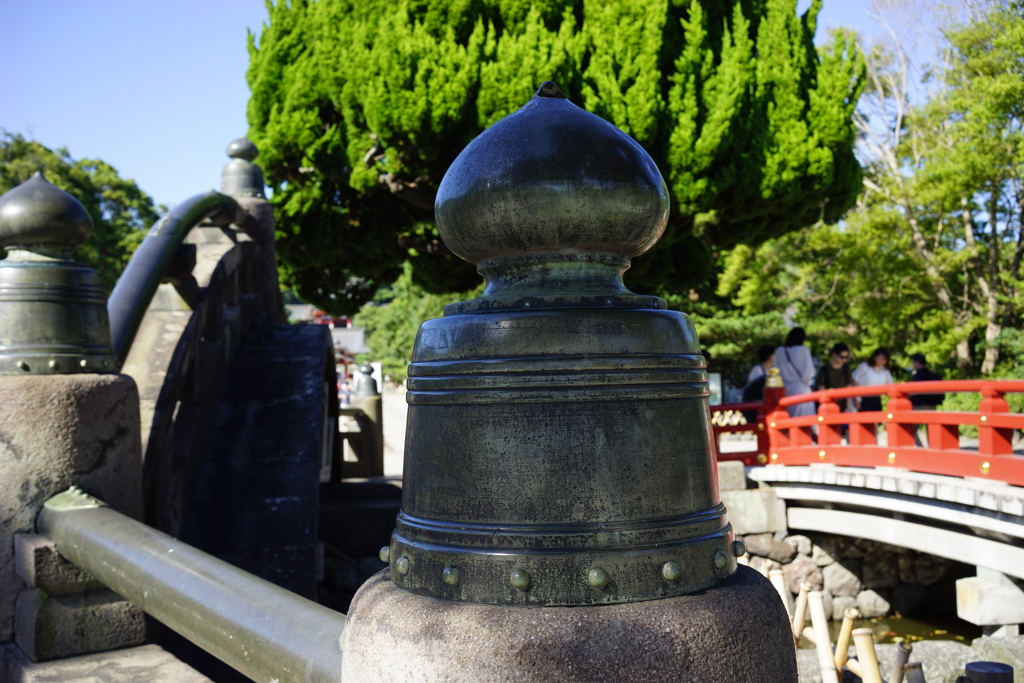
(800, 611)
(913, 673)
(819, 622)
(778, 579)
(903, 650)
(865, 643)
(854, 666)
(850, 615)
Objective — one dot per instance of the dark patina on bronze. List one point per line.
(559, 446)
(53, 313)
(241, 177)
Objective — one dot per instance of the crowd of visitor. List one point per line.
(800, 376)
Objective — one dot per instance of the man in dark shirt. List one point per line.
(923, 401)
(836, 374)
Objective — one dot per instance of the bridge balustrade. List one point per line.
(851, 438)
(731, 418)
(203, 278)
(953, 496)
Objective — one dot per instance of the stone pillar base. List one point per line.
(50, 627)
(55, 431)
(735, 632)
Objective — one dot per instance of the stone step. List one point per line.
(149, 663)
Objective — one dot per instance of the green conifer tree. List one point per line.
(358, 109)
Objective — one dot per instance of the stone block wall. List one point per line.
(876, 578)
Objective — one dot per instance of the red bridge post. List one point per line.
(774, 391)
(828, 434)
(993, 440)
(899, 432)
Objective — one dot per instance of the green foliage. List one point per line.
(732, 340)
(120, 211)
(393, 318)
(853, 284)
(359, 108)
(930, 260)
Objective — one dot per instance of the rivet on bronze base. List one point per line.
(450, 575)
(721, 559)
(519, 579)
(598, 577)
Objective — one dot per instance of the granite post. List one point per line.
(66, 418)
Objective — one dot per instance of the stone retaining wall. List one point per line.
(876, 578)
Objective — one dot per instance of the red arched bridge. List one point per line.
(955, 491)
(853, 438)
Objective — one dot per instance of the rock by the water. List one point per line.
(803, 569)
(840, 605)
(821, 556)
(782, 552)
(872, 604)
(759, 544)
(841, 581)
(802, 544)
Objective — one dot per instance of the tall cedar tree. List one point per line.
(932, 259)
(359, 108)
(119, 210)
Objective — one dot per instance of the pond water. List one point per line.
(895, 629)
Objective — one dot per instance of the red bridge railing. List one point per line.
(729, 418)
(820, 437)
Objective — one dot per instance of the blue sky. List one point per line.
(155, 88)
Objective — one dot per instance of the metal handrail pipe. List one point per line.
(138, 283)
(265, 632)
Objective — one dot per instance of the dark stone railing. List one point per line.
(180, 380)
(69, 417)
(160, 257)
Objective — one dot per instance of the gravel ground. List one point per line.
(942, 660)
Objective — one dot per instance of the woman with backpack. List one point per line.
(796, 367)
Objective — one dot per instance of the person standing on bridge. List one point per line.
(753, 390)
(871, 373)
(923, 401)
(836, 374)
(766, 359)
(796, 367)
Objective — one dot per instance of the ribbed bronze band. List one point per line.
(53, 319)
(490, 575)
(557, 379)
